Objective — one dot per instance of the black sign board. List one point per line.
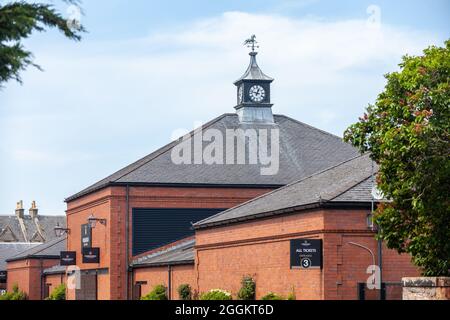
(3, 276)
(68, 258)
(306, 253)
(91, 255)
(86, 236)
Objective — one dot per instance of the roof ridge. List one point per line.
(310, 126)
(281, 188)
(348, 189)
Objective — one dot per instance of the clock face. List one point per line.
(257, 93)
(240, 94)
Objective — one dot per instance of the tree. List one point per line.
(18, 20)
(407, 133)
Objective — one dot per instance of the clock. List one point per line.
(257, 93)
(240, 94)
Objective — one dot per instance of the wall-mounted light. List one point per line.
(92, 221)
(60, 231)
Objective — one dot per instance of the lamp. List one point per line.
(92, 221)
(60, 231)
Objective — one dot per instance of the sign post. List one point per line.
(306, 254)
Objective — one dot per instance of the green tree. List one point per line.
(407, 133)
(18, 20)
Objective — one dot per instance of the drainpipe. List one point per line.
(169, 286)
(127, 240)
(41, 267)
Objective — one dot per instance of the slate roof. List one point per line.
(180, 253)
(349, 181)
(10, 249)
(55, 270)
(304, 150)
(50, 249)
(11, 231)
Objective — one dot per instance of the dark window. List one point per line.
(153, 228)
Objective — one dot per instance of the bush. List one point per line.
(185, 292)
(292, 296)
(216, 294)
(59, 293)
(248, 289)
(272, 296)
(16, 294)
(159, 292)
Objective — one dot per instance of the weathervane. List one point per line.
(251, 43)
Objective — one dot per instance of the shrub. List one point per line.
(272, 296)
(59, 293)
(185, 292)
(291, 295)
(216, 294)
(248, 289)
(16, 294)
(158, 293)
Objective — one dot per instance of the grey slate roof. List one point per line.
(181, 253)
(55, 270)
(349, 181)
(304, 150)
(50, 249)
(11, 231)
(10, 249)
(253, 71)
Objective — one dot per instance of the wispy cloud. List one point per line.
(115, 101)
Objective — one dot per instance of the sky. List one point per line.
(146, 70)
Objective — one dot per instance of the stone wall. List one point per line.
(426, 288)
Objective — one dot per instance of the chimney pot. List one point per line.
(19, 209)
(33, 210)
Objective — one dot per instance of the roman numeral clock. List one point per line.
(253, 91)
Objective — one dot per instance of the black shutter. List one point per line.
(153, 227)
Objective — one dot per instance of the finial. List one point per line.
(251, 43)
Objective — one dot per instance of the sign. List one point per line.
(3, 276)
(91, 255)
(68, 258)
(86, 236)
(306, 253)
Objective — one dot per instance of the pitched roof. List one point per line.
(180, 253)
(36, 230)
(349, 181)
(51, 249)
(304, 150)
(10, 249)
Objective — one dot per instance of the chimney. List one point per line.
(33, 210)
(19, 209)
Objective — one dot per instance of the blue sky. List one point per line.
(149, 69)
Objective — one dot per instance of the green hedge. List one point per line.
(272, 296)
(59, 293)
(185, 292)
(159, 292)
(248, 289)
(16, 294)
(216, 294)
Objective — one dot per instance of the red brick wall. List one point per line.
(54, 280)
(27, 275)
(160, 275)
(110, 203)
(261, 249)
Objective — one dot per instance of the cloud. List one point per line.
(118, 100)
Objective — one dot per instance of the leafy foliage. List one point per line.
(216, 294)
(159, 292)
(185, 292)
(248, 289)
(18, 20)
(59, 293)
(272, 296)
(407, 134)
(16, 294)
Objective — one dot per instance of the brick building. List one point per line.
(183, 215)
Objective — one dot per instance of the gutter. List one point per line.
(162, 264)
